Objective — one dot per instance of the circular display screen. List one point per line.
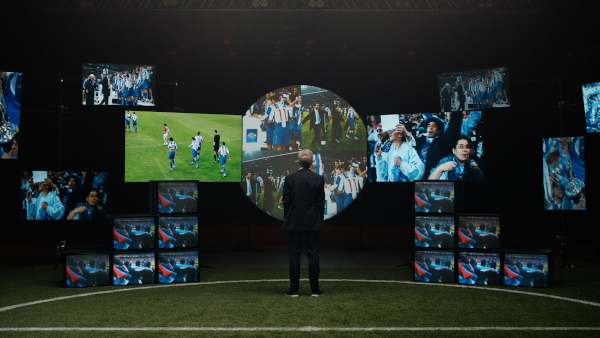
(286, 120)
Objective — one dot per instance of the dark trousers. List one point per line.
(105, 99)
(312, 249)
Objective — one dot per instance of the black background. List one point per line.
(380, 62)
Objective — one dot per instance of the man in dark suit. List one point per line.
(105, 89)
(303, 210)
(317, 121)
(89, 87)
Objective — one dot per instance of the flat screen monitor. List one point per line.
(174, 197)
(474, 89)
(435, 197)
(133, 268)
(434, 266)
(478, 232)
(563, 173)
(591, 106)
(177, 232)
(84, 270)
(64, 195)
(178, 267)
(482, 268)
(528, 269)
(434, 232)
(133, 233)
(114, 84)
(457, 137)
(10, 113)
(204, 147)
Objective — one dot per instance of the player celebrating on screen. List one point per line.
(195, 154)
(224, 152)
(127, 120)
(351, 123)
(166, 132)
(200, 139)
(172, 152)
(134, 118)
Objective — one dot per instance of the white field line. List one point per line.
(11, 307)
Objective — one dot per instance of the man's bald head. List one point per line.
(305, 158)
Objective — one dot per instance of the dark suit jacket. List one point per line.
(303, 201)
(105, 87)
(313, 118)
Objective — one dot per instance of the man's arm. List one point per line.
(287, 195)
(321, 198)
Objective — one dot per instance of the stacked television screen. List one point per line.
(161, 247)
(466, 248)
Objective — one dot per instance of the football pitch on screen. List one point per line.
(147, 158)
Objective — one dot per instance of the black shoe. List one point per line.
(291, 293)
(317, 293)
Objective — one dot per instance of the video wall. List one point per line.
(159, 247)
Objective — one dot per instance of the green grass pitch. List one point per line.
(146, 157)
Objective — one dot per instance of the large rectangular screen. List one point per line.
(591, 106)
(426, 146)
(474, 89)
(10, 113)
(564, 173)
(118, 85)
(167, 146)
(64, 195)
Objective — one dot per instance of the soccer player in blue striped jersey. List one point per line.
(200, 139)
(224, 153)
(127, 120)
(172, 152)
(134, 119)
(351, 123)
(195, 154)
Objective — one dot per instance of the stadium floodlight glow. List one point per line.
(406, 3)
(90, 4)
(263, 3)
(174, 2)
(255, 3)
(489, 5)
(312, 3)
(82, 4)
(481, 5)
(320, 3)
